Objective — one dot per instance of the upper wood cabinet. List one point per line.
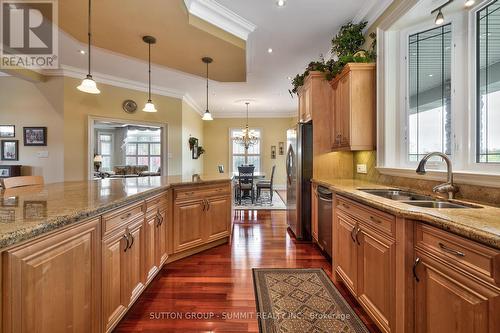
(353, 112)
(315, 105)
(53, 284)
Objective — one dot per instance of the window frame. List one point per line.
(149, 155)
(231, 143)
(112, 148)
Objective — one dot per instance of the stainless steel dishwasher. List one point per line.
(325, 219)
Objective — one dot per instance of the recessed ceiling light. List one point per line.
(469, 3)
(269, 50)
(281, 3)
(82, 52)
(431, 75)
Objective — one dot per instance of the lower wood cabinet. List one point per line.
(314, 212)
(346, 250)
(199, 221)
(122, 271)
(53, 284)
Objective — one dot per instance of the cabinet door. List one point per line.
(346, 250)
(53, 284)
(376, 279)
(345, 110)
(134, 263)
(161, 239)
(114, 279)
(188, 225)
(150, 246)
(217, 218)
(447, 301)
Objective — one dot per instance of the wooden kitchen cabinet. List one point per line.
(53, 284)
(315, 105)
(201, 219)
(162, 238)
(457, 272)
(364, 258)
(217, 213)
(188, 224)
(122, 271)
(353, 113)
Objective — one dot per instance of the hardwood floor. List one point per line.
(217, 284)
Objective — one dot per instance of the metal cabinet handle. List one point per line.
(208, 205)
(450, 250)
(204, 205)
(415, 264)
(126, 239)
(126, 216)
(376, 220)
(356, 235)
(346, 206)
(132, 243)
(352, 237)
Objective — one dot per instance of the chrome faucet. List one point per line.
(448, 187)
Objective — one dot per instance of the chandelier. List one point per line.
(248, 137)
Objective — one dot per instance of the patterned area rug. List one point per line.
(263, 203)
(301, 300)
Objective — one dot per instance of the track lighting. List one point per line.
(439, 18)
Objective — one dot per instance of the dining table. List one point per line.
(256, 176)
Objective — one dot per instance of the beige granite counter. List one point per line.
(479, 224)
(28, 212)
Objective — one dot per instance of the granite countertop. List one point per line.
(27, 212)
(479, 224)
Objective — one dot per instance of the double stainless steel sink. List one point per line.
(416, 199)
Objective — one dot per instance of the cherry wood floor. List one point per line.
(213, 291)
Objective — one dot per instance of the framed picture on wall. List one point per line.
(195, 152)
(7, 131)
(10, 150)
(35, 136)
(281, 147)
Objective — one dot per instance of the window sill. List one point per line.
(460, 177)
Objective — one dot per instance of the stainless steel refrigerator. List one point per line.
(299, 166)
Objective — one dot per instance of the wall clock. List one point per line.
(129, 106)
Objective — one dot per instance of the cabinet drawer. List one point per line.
(478, 259)
(159, 201)
(191, 193)
(119, 217)
(372, 217)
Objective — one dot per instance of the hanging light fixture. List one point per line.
(248, 138)
(88, 84)
(149, 107)
(440, 17)
(207, 115)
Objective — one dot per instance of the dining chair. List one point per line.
(245, 183)
(266, 185)
(22, 181)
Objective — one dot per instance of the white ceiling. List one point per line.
(297, 33)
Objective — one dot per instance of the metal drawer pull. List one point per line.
(415, 264)
(126, 239)
(352, 237)
(346, 206)
(208, 205)
(452, 251)
(376, 220)
(357, 239)
(132, 243)
(126, 216)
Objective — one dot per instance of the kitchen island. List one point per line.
(76, 255)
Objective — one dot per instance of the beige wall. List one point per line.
(192, 125)
(78, 106)
(216, 143)
(26, 104)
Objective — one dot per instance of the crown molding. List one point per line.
(371, 11)
(192, 103)
(218, 15)
(254, 115)
(112, 80)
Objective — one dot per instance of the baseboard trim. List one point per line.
(190, 252)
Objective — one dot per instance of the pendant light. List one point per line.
(88, 84)
(207, 115)
(149, 107)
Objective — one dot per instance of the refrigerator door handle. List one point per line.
(289, 165)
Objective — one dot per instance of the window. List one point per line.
(106, 150)
(488, 84)
(240, 156)
(143, 147)
(428, 123)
